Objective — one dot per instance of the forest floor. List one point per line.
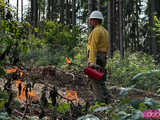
(71, 86)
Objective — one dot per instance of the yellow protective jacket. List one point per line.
(98, 41)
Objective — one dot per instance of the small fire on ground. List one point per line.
(72, 95)
(23, 93)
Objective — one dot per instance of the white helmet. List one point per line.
(96, 14)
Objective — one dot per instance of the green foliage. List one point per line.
(123, 72)
(55, 33)
(55, 43)
(156, 34)
(2, 71)
(156, 28)
(96, 105)
(3, 98)
(147, 80)
(132, 109)
(63, 108)
(5, 116)
(16, 36)
(2, 4)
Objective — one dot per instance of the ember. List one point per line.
(13, 70)
(22, 93)
(72, 95)
(68, 60)
(20, 74)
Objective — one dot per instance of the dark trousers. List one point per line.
(98, 86)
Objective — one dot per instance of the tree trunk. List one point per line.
(17, 8)
(49, 10)
(39, 8)
(2, 12)
(91, 7)
(52, 10)
(137, 26)
(34, 14)
(110, 16)
(67, 13)
(44, 9)
(157, 8)
(22, 10)
(152, 35)
(73, 12)
(121, 28)
(61, 11)
(99, 5)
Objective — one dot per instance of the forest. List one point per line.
(43, 53)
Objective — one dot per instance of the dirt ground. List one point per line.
(50, 77)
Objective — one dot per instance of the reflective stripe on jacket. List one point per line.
(98, 41)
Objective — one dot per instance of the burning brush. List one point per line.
(23, 91)
(72, 95)
(68, 61)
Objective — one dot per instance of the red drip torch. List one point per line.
(96, 73)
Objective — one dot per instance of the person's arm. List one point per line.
(93, 47)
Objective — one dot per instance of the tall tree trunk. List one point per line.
(99, 5)
(73, 12)
(150, 12)
(49, 10)
(121, 28)
(137, 25)
(44, 9)
(39, 10)
(67, 13)
(91, 7)
(115, 26)
(2, 12)
(17, 8)
(52, 10)
(21, 10)
(34, 14)
(152, 35)
(57, 9)
(110, 28)
(61, 11)
(32, 10)
(157, 8)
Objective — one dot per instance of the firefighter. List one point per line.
(98, 45)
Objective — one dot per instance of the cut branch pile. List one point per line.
(49, 85)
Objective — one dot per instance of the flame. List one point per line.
(68, 60)
(21, 88)
(21, 95)
(72, 95)
(32, 96)
(13, 70)
(20, 74)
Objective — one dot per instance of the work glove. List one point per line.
(94, 65)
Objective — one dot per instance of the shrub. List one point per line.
(123, 71)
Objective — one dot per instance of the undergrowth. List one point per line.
(136, 69)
